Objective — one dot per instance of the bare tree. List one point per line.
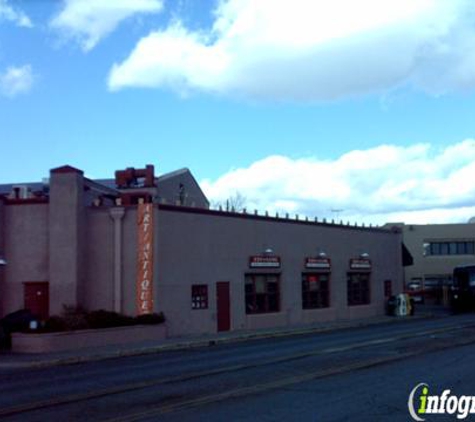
(236, 202)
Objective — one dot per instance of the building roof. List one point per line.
(277, 219)
(34, 186)
(166, 176)
(105, 186)
(175, 173)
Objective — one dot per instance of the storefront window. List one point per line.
(262, 293)
(315, 292)
(358, 289)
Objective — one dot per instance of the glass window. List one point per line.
(358, 289)
(262, 293)
(315, 291)
(260, 285)
(470, 248)
(199, 296)
(435, 248)
(444, 248)
(453, 248)
(461, 248)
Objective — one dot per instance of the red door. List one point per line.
(37, 298)
(222, 305)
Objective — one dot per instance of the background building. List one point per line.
(436, 250)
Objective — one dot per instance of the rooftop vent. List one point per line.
(20, 192)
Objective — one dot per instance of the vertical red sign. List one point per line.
(145, 259)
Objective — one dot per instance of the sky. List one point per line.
(359, 110)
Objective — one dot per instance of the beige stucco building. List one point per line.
(436, 250)
(138, 243)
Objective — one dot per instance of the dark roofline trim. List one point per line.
(173, 173)
(66, 169)
(190, 210)
(92, 184)
(26, 201)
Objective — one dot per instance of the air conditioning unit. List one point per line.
(20, 192)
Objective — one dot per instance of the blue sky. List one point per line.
(303, 107)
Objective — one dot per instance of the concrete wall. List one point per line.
(67, 231)
(99, 251)
(204, 248)
(73, 340)
(26, 251)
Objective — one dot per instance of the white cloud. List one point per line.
(414, 184)
(18, 17)
(311, 50)
(16, 80)
(89, 21)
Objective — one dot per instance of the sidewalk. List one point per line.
(9, 360)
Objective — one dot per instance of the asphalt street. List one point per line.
(373, 394)
(359, 374)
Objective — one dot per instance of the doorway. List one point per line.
(223, 306)
(37, 298)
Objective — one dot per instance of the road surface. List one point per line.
(359, 374)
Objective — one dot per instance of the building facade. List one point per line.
(436, 250)
(139, 244)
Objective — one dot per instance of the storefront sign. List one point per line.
(145, 259)
(262, 261)
(318, 263)
(360, 264)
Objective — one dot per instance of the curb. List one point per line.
(192, 344)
